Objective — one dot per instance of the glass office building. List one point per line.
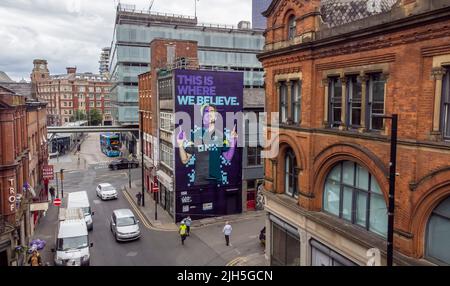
(258, 20)
(219, 47)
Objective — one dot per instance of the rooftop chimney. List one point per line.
(71, 70)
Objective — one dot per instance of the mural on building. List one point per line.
(207, 156)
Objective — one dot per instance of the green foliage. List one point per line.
(78, 116)
(95, 118)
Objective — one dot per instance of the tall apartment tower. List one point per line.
(104, 61)
(258, 20)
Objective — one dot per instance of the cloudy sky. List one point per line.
(72, 32)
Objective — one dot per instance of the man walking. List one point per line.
(182, 232)
(139, 198)
(188, 222)
(227, 229)
(52, 193)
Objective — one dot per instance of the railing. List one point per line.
(132, 9)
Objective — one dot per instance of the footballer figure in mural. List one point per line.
(212, 150)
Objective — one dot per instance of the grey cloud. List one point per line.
(72, 32)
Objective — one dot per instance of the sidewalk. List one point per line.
(166, 223)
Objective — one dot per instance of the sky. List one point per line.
(73, 32)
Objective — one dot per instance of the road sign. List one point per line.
(155, 189)
(47, 172)
(57, 202)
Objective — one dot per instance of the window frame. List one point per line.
(283, 102)
(291, 174)
(350, 101)
(355, 192)
(445, 104)
(292, 28)
(332, 100)
(296, 101)
(427, 236)
(369, 101)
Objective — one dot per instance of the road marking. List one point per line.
(235, 261)
(237, 251)
(132, 254)
(97, 202)
(138, 212)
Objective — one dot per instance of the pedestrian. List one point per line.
(227, 231)
(188, 222)
(182, 232)
(52, 193)
(35, 259)
(139, 198)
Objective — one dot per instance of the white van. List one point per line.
(80, 200)
(72, 240)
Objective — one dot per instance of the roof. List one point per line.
(20, 88)
(4, 77)
(340, 12)
(123, 213)
(72, 228)
(105, 185)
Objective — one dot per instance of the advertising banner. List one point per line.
(208, 160)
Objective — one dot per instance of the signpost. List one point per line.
(57, 202)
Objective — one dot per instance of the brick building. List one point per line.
(164, 53)
(70, 92)
(330, 66)
(158, 121)
(14, 162)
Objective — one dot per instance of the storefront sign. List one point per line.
(38, 207)
(47, 172)
(12, 196)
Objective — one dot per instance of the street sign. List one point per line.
(57, 202)
(47, 172)
(155, 189)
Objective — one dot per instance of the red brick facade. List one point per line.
(148, 95)
(409, 54)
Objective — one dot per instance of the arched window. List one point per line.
(353, 194)
(292, 28)
(438, 234)
(290, 174)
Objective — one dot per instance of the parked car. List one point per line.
(106, 191)
(124, 225)
(123, 163)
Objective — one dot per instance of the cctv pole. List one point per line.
(57, 187)
(62, 183)
(141, 127)
(392, 175)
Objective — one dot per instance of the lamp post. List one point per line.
(62, 183)
(392, 175)
(141, 129)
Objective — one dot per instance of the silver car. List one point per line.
(106, 192)
(124, 225)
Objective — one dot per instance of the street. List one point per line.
(205, 246)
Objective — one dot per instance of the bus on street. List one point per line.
(110, 144)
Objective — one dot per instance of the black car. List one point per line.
(123, 164)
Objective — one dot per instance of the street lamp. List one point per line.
(62, 183)
(392, 175)
(141, 129)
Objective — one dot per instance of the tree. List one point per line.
(78, 115)
(95, 117)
